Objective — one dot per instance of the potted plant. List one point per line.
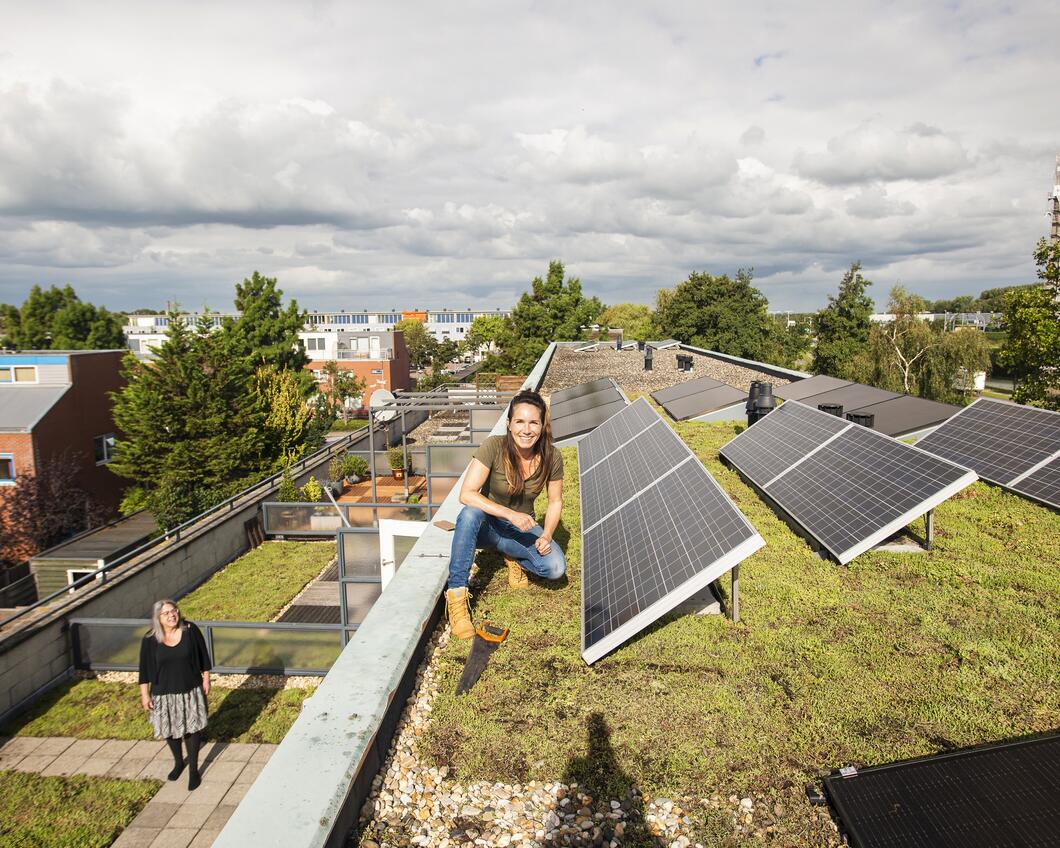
(355, 468)
(396, 458)
(335, 475)
(312, 492)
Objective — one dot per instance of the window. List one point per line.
(465, 317)
(104, 448)
(18, 373)
(7, 469)
(389, 319)
(314, 343)
(341, 319)
(163, 322)
(133, 344)
(377, 370)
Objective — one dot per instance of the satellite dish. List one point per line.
(380, 398)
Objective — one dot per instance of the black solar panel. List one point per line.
(848, 486)
(691, 387)
(810, 386)
(861, 487)
(780, 440)
(656, 527)
(579, 390)
(851, 397)
(1042, 484)
(999, 440)
(1004, 796)
(570, 426)
(907, 414)
(608, 394)
(703, 403)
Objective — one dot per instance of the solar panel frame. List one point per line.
(637, 419)
(985, 436)
(689, 387)
(579, 423)
(608, 394)
(852, 397)
(704, 403)
(818, 384)
(1042, 483)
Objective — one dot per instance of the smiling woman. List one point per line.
(498, 493)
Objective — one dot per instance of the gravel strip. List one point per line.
(570, 368)
(221, 681)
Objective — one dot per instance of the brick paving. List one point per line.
(175, 817)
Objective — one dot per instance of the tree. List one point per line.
(484, 332)
(842, 327)
(635, 319)
(191, 426)
(288, 419)
(445, 352)
(44, 508)
(418, 340)
(908, 337)
(717, 313)
(56, 319)
(338, 387)
(266, 332)
(553, 310)
(947, 375)
(1032, 320)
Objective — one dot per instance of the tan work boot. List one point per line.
(458, 610)
(517, 578)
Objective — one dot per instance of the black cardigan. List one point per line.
(171, 671)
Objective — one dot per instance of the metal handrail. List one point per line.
(174, 532)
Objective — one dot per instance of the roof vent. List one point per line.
(835, 409)
(865, 419)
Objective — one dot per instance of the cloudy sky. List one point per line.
(440, 154)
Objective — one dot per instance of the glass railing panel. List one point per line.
(485, 419)
(402, 546)
(110, 644)
(306, 519)
(360, 555)
(442, 486)
(275, 649)
(359, 599)
(451, 459)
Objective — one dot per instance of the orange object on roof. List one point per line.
(414, 316)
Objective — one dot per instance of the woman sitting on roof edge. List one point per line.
(505, 476)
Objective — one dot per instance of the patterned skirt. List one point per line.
(178, 715)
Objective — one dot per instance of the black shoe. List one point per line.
(178, 770)
(193, 780)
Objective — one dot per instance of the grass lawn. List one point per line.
(68, 812)
(892, 656)
(259, 584)
(92, 709)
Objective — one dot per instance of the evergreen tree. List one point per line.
(266, 332)
(82, 326)
(842, 327)
(289, 433)
(190, 425)
(717, 313)
(56, 319)
(420, 343)
(553, 310)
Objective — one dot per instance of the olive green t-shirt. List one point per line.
(491, 454)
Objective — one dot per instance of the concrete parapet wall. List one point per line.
(766, 367)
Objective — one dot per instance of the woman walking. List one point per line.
(504, 478)
(174, 683)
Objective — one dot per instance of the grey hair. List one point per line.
(156, 618)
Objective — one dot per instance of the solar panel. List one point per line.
(789, 434)
(609, 394)
(703, 403)
(579, 390)
(664, 344)
(1004, 443)
(690, 387)
(656, 527)
(848, 486)
(810, 386)
(1042, 484)
(851, 397)
(1003, 795)
(907, 414)
(579, 423)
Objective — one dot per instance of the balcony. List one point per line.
(382, 353)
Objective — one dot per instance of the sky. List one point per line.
(429, 155)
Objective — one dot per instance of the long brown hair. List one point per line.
(543, 448)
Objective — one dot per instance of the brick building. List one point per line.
(56, 401)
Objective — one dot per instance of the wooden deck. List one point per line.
(385, 488)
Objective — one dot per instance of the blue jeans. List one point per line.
(476, 529)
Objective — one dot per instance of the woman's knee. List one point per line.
(470, 516)
(556, 563)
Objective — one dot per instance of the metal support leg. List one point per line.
(405, 456)
(735, 593)
(929, 528)
(371, 453)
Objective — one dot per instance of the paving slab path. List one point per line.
(175, 817)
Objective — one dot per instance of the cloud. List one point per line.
(872, 202)
(869, 153)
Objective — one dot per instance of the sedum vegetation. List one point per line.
(892, 656)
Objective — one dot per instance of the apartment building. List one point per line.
(379, 359)
(52, 402)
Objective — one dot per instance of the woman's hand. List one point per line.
(147, 702)
(522, 521)
(206, 683)
(543, 545)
